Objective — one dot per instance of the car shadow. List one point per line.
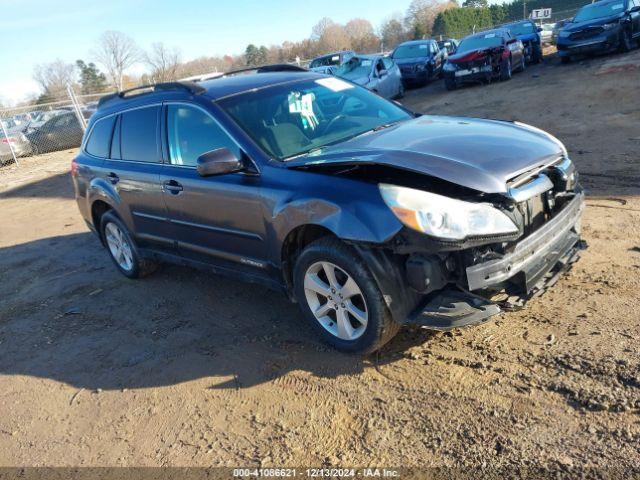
(69, 316)
(55, 186)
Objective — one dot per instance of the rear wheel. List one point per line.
(122, 248)
(340, 298)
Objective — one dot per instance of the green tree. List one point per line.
(91, 79)
(252, 55)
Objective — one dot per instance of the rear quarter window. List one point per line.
(99, 141)
(138, 134)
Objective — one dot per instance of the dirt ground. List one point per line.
(185, 368)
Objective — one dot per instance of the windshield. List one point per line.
(325, 61)
(522, 28)
(355, 68)
(593, 11)
(411, 51)
(295, 118)
(479, 42)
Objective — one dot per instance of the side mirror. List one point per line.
(218, 162)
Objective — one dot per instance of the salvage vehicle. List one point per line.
(483, 57)
(368, 215)
(378, 73)
(331, 60)
(58, 133)
(529, 34)
(420, 61)
(600, 27)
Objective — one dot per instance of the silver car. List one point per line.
(375, 72)
(15, 140)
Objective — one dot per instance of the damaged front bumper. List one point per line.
(534, 264)
(534, 256)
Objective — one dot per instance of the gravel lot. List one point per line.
(185, 368)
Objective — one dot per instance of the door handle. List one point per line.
(172, 187)
(113, 178)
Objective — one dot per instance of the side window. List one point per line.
(193, 132)
(138, 134)
(99, 142)
(388, 63)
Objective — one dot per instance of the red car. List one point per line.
(484, 56)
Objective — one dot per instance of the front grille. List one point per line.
(406, 69)
(588, 33)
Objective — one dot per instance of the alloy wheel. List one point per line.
(336, 300)
(119, 246)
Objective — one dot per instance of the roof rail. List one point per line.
(188, 86)
(279, 67)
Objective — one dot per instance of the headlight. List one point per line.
(445, 217)
(609, 26)
(420, 68)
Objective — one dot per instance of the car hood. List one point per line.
(359, 79)
(527, 37)
(475, 153)
(411, 61)
(596, 22)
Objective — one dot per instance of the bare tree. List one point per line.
(334, 38)
(164, 62)
(54, 77)
(422, 13)
(392, 31)
(116, 52)
(319, 28)
(363, 38)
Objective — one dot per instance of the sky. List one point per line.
(40, 31)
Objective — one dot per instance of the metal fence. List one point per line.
(31, 130)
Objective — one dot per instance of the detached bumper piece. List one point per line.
(454, 309)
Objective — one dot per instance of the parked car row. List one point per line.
(39, 132)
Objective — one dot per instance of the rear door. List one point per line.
(215, 219)
(133, 171)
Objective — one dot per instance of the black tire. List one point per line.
(537, 54)
(625, 42)
(141, 267)
(400, 92)
(505, 70)
(380, 327)
(523, 65)
(565, 60)
(450, 83)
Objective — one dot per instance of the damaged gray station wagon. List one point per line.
(368, 215)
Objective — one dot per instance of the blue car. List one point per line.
(420, 61)
(529, 34)
(600, 27)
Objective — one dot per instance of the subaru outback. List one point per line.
(367, 215)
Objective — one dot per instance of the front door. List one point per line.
(215, 219)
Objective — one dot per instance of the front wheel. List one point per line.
(122, 248)
(450, 83)
(505, 70)
(625, 41)
(340, 298)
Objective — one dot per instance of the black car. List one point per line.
(58, 133)
(420, 61)
(483, 57)
(600, 27)
(366, 214)
(529, 34)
